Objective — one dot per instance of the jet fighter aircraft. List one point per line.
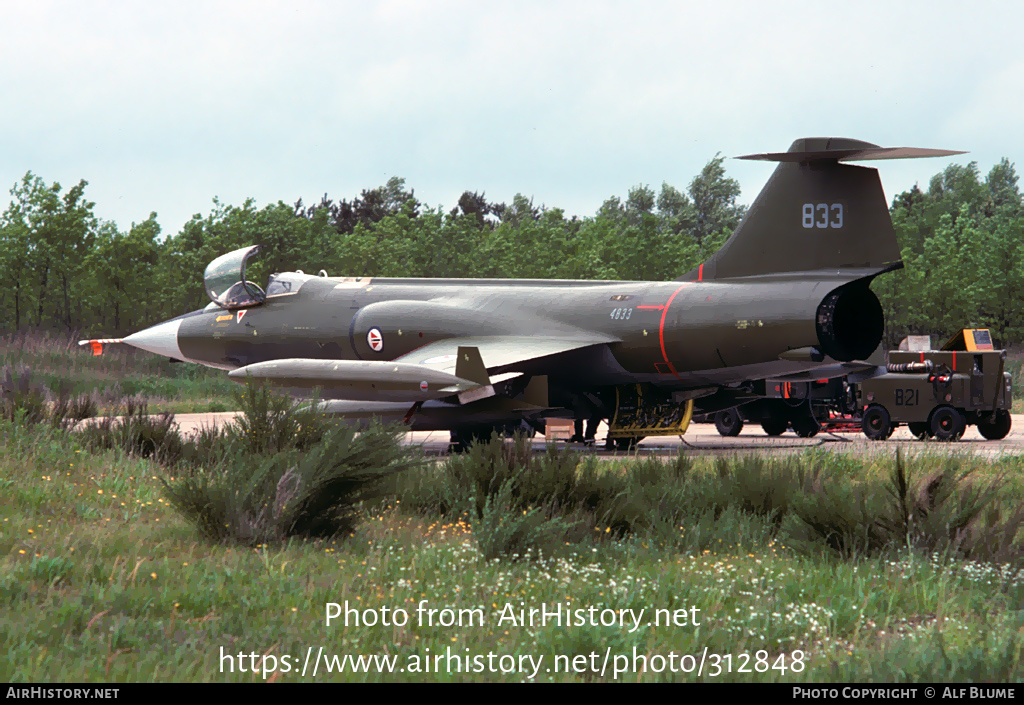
(786, 297)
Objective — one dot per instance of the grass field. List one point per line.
(101, 580)
(61, 364)
(798, 569)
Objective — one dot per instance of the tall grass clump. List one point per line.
(268, 498)
(695, 504)
(516, 501)
(133, 430)
(59, 363)
(283, 470)
(942, 510)
(272, 422)
(517, 504)
(21, 396)
(268, 422)
(503, 529)
(25, 396)
(488, 468)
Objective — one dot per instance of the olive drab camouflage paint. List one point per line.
(787, 296)
(939, 393)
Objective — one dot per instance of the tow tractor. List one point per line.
(936, 393)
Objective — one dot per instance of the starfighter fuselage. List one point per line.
(674, 334)
(787, 296)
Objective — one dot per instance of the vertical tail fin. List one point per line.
(815, 214)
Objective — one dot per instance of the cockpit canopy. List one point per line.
(226, 284)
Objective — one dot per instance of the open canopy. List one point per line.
(225, 280)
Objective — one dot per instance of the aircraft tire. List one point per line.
(806, 426)
(920, 430)
(729, 422)
(775, 427)
(947, 423)
(462, 440)
(627, 443)
(997, 428)
(876, 423)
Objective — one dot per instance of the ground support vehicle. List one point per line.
(938, 393)
(806, 407)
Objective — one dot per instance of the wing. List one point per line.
(472, 358)
(498, 352)
(452, 367)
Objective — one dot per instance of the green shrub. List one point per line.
(68, 409)
(272, 422)
(132, 429)
(943, 511)
(815, 500)
(257, 500)
(504, 529)
(269, 422)
(22, 396)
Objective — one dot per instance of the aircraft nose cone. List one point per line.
(161, 339)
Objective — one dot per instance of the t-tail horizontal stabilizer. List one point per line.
(817, 216)
(816, 149)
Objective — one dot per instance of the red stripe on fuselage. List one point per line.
(661, 330)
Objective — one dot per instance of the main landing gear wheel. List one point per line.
(774, 427)
(876, 423)
(920, 430)
(728, 422)
(806, 426)
(995, 427)
(627, 443)
(948, 424)
(461, 440)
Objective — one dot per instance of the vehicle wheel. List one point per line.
(775, 427)
(947, 423)
(461, 440)
(995, 428)
(920, 430)
(806, 426)
(876, 423)
(729, 422)
(627, 443)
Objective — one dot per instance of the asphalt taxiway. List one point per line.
(704, 438)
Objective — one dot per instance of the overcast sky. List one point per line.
(163, 106)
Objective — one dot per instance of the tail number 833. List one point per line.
(823, 215)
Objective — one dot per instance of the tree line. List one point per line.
(67, 270)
